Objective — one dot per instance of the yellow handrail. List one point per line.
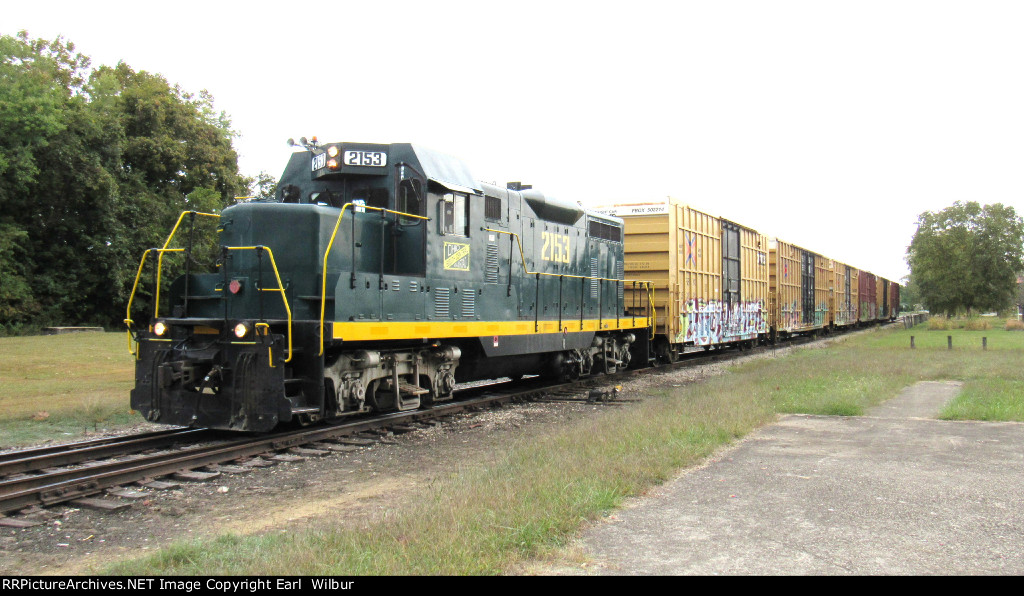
(280, 288)
(128, 317)
(327, 253)
(654, 313)
(273, 263)
(156, 304)
(160, 259)
(128, 320)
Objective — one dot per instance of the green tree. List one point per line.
(263, 187)
(965, 257)
(910, 295)
(95, 167)
(41, 93)
(17, 303)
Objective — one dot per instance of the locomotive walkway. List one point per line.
(891, 492)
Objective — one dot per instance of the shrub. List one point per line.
(976, 324)
(1014, 325)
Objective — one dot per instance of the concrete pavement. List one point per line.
(891, 492)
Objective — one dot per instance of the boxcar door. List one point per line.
(730, 280)
(807, 289)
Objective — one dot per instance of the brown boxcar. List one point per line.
(868, 310)
(894, 301)
(882, 299)
(710, 274)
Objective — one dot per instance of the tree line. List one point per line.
(967, 258)
(96, 164)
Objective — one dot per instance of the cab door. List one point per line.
(403, 266)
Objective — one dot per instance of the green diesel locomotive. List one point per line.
(379, 277)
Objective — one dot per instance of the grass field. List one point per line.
(62, 386)
(487, 520)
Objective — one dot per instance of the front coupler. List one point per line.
(219, 384)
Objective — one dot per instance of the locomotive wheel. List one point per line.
(625, 356)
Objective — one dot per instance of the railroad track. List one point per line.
(39, 480)
(63, 473)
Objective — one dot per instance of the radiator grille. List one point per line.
(620, 273)
(442, 298)
(491, 264)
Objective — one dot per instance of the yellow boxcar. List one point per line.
(882, 299)
(710, 274)
(823, 288)
(800, 285)
(844, 308)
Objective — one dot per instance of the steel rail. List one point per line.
(21, 462)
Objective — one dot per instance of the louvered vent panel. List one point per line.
(594, 284)
(468, 304)
(442, 297)
(491, 264)
(619, 274)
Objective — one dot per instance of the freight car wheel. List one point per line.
(665, 352)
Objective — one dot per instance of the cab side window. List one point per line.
(455, 214)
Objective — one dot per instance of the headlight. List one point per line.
(332, 151)
(241, 330)
(159, 328)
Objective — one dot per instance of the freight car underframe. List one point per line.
(209, 379)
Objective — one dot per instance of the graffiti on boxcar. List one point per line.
(821, 315)
(710, 322)
(845, 316)
(791, 316)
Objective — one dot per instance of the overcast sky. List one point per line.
(831, 125)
